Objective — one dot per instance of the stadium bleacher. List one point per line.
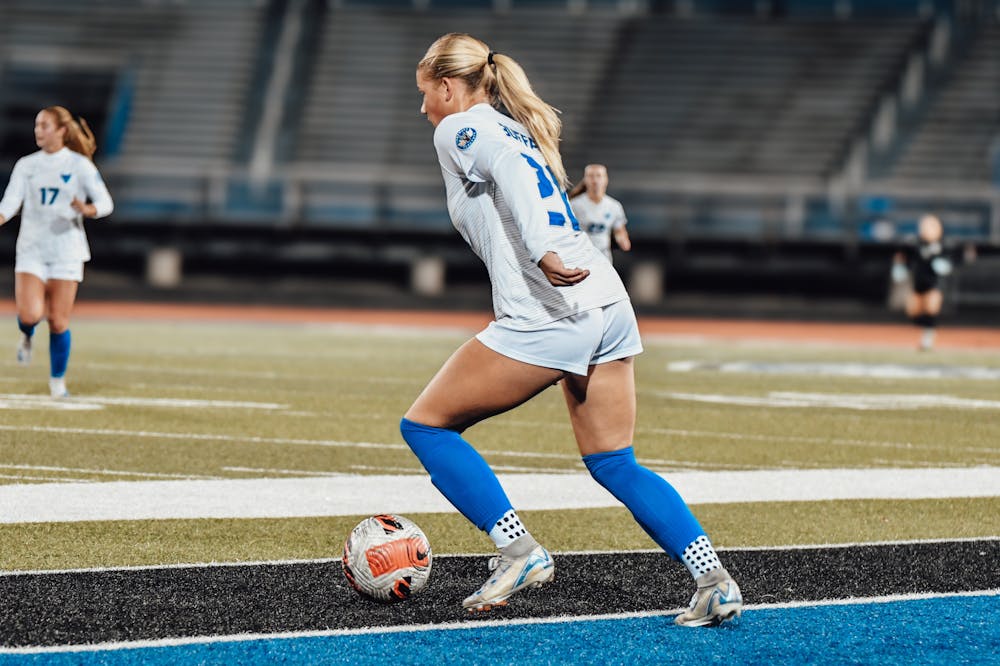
(960, 138)
(720, 121)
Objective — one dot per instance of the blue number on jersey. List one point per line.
(53, 192)
(546, 188)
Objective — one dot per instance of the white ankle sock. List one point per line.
(700, 558)
(507, 529)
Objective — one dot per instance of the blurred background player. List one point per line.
(562, 313)
(599, 214)
(51, 188)
(924, 265)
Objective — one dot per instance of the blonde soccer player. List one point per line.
(600, 215)
(51, 189)
(562, 314)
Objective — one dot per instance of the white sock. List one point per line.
(927, 339)
(57, 387)
(700, 558)
(507, 529)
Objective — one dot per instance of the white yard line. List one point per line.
(107, 472)
(189, 436)
(367, 494)
(252, 439)
(855, 401)
(145, 402)
(750, 437)
(40, 479)
(329, 560)
(478, 623)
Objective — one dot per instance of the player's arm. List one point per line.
(518, 182)
(622, 238)
(101, 203)
(900, 272)
(13, 196)
(619, 230)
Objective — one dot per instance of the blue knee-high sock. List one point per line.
(459, 472)
(59, 344)
(27, 329)
(654, 503)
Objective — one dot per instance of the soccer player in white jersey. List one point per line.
(599, 214)
(51, 188)
(562, 313)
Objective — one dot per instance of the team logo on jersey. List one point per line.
(65, 177)
(465, 137)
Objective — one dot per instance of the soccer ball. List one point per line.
(387, 558)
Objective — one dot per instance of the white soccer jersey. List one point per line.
(42, 186)
(504, 200)
(599, 219)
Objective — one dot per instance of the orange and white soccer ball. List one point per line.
(387, 557)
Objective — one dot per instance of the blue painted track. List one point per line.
(951, 630)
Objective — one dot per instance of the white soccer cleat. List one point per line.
(57, 387)
(511, 575)
(24, 350)
(717, 600)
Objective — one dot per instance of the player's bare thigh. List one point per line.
(476, 383)
(61, 295)
(602, 406)
(928, 302)
(29, 297)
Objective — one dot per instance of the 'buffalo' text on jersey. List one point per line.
(506, 203)
(599, 219)
(42, 186)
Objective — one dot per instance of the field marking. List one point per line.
(348, 495)
(847, 369)
(45, 402)
(738, 436)
(331, 560)
(254, 439)
(856, 401)
(251, 439)
(656, 462)
(98, 402)
(106, 472)
(39, 479)
(465, 625)
(287, 472)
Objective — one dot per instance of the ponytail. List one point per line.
(457, 55)
(577, 190)
(514, 92)
(79, 137)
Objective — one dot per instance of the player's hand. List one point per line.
(557, 273)
(82, 207)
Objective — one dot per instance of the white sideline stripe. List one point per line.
(347, 495)
(107, 472)
(848, 369)
(143, 402)
(251, 439)
(328, 560)
(473, 624)
(857, 401)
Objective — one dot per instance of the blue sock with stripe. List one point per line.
(654, 503)
(27, 329)
(59, 344)
(459, 472)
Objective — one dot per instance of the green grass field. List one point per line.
(285, 401)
